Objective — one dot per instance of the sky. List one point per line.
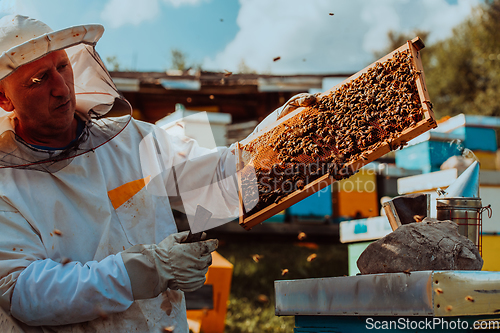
(308, 36)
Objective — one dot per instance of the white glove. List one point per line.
(169, 265)
(299, 100)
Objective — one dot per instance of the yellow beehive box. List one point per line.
(356, 197)
(219, 276)
(487, 159)
(490, 251)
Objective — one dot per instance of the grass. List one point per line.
(252, 299)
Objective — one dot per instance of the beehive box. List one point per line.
(373, 112)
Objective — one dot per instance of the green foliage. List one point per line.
(463, 71)
(244, 316)
(179, 60)
(248, 310)
(113, 63)
(243, 68)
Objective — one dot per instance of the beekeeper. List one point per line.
(87, 241)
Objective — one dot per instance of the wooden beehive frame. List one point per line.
(428, 122)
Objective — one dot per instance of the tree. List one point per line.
(179, 61)
(243, 68)
(463, 71)
(113, 63)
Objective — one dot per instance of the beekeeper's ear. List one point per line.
(5, 102)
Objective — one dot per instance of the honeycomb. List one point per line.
(339, 128)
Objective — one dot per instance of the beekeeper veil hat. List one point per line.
(23, 40)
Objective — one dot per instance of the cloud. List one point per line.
(121, 12)
(7, 6)
(178, 3)
(442, 17)
(25, 7)
(310, 40)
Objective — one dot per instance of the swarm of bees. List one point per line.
(336, 130)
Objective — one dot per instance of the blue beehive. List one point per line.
(316, 206)
(278, 218)
(427, 156)
(478, 138)
(431, 149)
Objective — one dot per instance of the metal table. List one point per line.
(424, 301)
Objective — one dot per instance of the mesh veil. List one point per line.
(96, 97)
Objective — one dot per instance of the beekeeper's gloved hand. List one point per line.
(170, 264)
(299, 100)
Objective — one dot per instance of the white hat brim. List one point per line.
(39, 46)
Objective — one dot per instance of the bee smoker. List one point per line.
(407, 209)
(461, 204)
(467, 213)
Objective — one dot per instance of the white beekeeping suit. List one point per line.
(72, 220)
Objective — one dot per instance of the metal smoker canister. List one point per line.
(466, 212)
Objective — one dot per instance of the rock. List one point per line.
(427, 245)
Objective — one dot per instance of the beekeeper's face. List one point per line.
(42, 96)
